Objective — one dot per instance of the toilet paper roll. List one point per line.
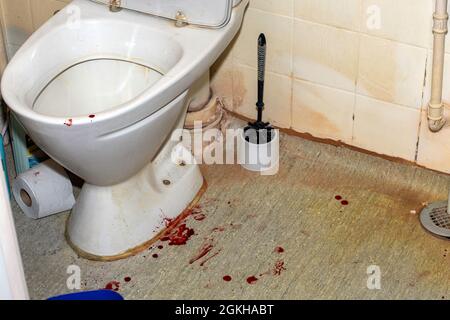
(44, 190)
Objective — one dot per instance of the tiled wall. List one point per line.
(21, 17)
(335, 70)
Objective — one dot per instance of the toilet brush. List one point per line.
(260, 132)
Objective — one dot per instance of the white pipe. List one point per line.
(12, 277)
(436, 118)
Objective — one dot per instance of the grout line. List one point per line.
(424, 87)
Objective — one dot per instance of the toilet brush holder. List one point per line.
(259, 157)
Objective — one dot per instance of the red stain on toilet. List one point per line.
(227, 278)
(113, 285)
(92, 116)
(168, 222)
(69, 122)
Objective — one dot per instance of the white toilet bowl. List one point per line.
(102, 93)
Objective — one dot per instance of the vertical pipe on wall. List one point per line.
(436, 118)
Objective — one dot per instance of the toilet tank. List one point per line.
(206, 13)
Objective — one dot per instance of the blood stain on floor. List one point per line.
(279, 249)
(252, 280)
(204, 251)
(113, 285)
(200, 217)
(279, 268)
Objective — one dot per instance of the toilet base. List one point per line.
(116, 222)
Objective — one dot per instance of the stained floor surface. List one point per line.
(309, 232)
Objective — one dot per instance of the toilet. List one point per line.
(101, 88)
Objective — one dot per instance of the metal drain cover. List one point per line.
(435, 219)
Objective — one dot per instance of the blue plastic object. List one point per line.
(98, 295)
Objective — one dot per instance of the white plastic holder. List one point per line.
(262, 158)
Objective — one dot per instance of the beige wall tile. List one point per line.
(322, 111)
(391, 71)
(386, 128)
(278, 31)
(408, 21)
(18, 20)
(338, 13)
(42, 10)
(325, 55)
(282, 7)
(277, 95)
(222, 78)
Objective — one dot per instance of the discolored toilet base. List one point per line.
(114, 222)
(145, 246)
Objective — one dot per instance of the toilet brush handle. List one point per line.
(262, 50)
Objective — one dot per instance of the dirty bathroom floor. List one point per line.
(310, 232)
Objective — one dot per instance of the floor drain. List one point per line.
(435, 219)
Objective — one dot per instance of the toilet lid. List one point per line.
(207, 13)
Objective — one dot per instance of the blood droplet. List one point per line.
(200, 217)
(227, 278)
(179, 236)
(252, 280)
(279, 268)
(279, 249)
(113, 285)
